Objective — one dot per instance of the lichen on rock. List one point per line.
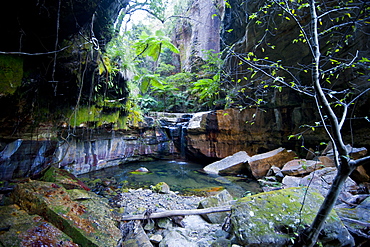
(87, 220)
(275, 218)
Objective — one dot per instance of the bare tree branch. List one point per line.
(32, 54)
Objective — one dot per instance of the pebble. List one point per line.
(194, 229)
(136, 200)
(156, 238)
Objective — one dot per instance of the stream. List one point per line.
(183, 177)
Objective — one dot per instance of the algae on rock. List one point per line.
(87, 220)
(21, 229)
(275, 218)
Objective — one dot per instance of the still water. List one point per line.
(184, 177)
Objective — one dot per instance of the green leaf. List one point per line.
(291, 136)
(252, 16)
(364, 60)
(227, 4)
(144, 86)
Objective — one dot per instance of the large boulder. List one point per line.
(361, 173)
(301, 166)
(322, 180)
(357, 219)
(86, 219)
(260, 164)
(220, 199)
(273, 218)
(231, 165)
(136, 236)
(63, 178)
(21, 229)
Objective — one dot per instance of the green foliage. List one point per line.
(207, 89)
(148, 79)
(152, 46)
(261, 70)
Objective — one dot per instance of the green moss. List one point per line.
(158, 187)
(139, 173)
(279, 213)
(96, 181)
(94, 117)
(272, 201)
(124, 190)
(11, 73)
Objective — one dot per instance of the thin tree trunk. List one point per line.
(309, 237)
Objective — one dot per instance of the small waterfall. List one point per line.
(182, 130)
(177, 132)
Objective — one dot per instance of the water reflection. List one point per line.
(182, 176)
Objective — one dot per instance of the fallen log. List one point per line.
(170, 213)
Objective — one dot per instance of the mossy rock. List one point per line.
(220, 199)
(161, 187)
(64, 178)
(87, 220)
(17, 228)
(360, 213)
(274, 218)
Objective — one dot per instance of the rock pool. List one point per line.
(183, 177)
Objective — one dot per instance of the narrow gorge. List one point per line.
(91, 93)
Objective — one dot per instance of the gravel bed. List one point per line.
(142, 200)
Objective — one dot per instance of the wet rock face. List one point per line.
(23, 158)
(31, 25)
(221, 133)
(83, 151)
(94, 150)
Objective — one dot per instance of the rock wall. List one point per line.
(82, 150)
(98, 149)
(218, 134)
(49, 57)
(199, 33)
(221, 133)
